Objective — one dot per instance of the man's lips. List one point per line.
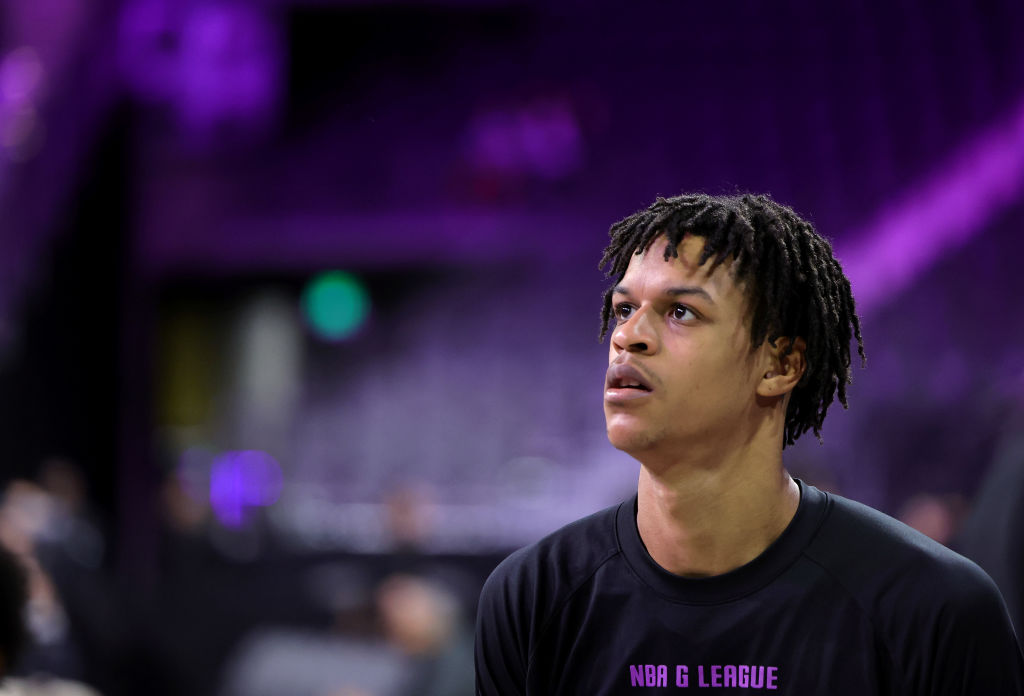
(625, 382)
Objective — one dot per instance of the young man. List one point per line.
(731, 325)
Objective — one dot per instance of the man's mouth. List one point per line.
(625, 382)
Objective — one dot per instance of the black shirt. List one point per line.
(846, 601)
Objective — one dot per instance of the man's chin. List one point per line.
(630, 440)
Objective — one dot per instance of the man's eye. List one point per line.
(683, 313)
(623, 312)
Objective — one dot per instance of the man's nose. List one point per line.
(637, 334)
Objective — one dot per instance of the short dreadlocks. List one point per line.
(794, 284)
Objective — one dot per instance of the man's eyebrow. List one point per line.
(671, 292)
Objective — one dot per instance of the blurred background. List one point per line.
(299, 300)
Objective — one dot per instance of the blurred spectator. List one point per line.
(72, 523)
(993, 533)
(410, 517)
(934, 516)
(423, 648)
(306, 663)
(185, 544)
(18, 582)
(28, 520)
(424, 621)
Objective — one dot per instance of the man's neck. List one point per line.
(704, 521)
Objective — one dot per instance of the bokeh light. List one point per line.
(336, 305)
(241, 481)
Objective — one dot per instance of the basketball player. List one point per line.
(731, 326)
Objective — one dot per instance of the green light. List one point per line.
(336, 305)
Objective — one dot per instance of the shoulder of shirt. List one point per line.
(889, 567)
(560, 562)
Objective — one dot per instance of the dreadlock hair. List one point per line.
(794, 285)
(13, 597)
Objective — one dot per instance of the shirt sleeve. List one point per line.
(973, 646)
(501, 650)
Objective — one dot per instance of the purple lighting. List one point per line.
(937, 216)
(217, 65)
(541, 138)
(22, 79)
(21, 76)
(241, 481)
(230, 69)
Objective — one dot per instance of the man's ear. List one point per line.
(783, 370)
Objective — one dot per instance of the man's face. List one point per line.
(682, 375)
